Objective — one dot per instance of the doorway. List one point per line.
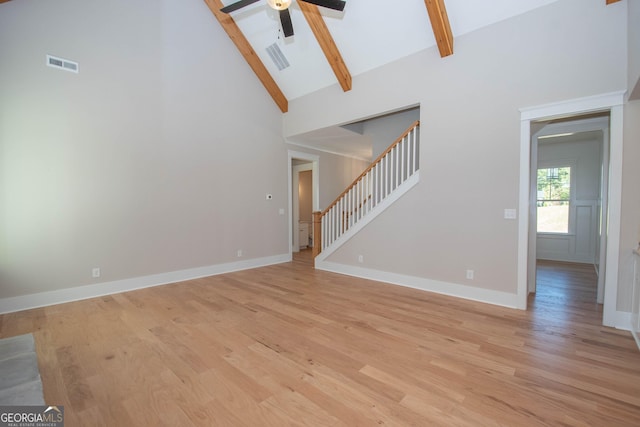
(301, 226)
(302, 185)
(607, 103)
(569, 181)
(566, 293)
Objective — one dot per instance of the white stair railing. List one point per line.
(389, 171)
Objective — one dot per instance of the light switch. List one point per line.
(510, 214)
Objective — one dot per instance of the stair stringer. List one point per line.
(398, 192)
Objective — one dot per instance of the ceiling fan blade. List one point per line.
(330, 4)
(237, 5)
(285, 20)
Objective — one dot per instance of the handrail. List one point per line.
(372, 165)
(397, 164)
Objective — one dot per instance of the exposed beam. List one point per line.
(612, 1)
(440, 25)
(248, 53)
(328, 45)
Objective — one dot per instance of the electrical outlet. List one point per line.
(239, 253)
(95, 273)
(470, 274)
(360, 259)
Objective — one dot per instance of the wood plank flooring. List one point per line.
(287, 345)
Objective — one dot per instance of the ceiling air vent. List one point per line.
(63, 64)
(277, 56)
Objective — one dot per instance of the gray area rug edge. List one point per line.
(20, 382)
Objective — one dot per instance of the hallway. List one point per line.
(566, 292)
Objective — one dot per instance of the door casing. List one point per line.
(611, 102)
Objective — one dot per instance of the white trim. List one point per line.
(621, 320)
(635, 337)
(444, 288)
(523, 222)
(603, 217)
(60, 296)
(572, 106)
(398, 192)
(612, 102)
(613, 220)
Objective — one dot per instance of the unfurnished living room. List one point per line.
(320, 212)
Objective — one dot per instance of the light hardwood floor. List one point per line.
(287, 345)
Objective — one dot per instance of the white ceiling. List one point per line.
(338, 140)
(368, 33)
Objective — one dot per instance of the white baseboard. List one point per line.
(59, 296)
(635, 337)
(622, 320)
(619, 320)
(452, 289)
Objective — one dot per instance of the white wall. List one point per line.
(335, 173)
(633, 46)
(145, 162)
(386, 129)
(470, 131)
(585, 159)
(630, 221)
(304, 196)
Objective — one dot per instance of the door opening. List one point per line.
(303, 198)
(568, 199)
(302, 192)
(610, 103)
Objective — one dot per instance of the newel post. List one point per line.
(317, 233)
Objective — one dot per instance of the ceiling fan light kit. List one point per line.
(283, 7)
(279, 4)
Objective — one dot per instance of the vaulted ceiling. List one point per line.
(332, 47)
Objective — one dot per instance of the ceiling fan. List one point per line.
(283, 7)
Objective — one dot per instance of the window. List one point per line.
(554, 195)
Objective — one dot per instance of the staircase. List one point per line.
(391, 175)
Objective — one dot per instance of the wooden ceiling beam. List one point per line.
(248, 53)
(327, 44)
(440, 25)
(612, 1)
